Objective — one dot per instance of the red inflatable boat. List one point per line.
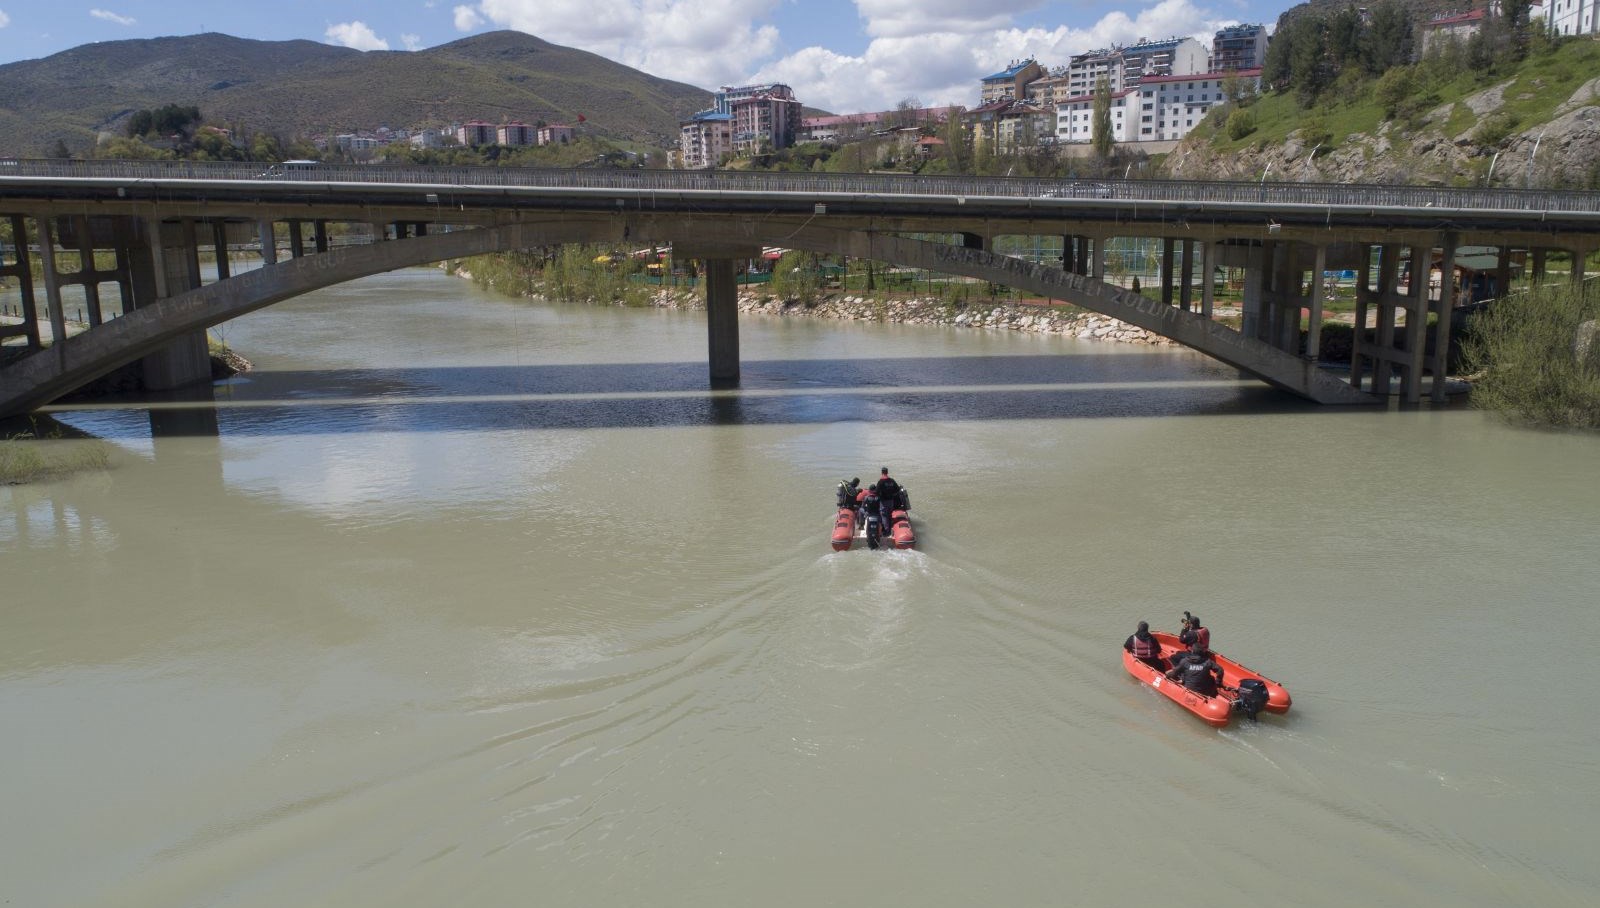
(860, 524)
(1215, 710)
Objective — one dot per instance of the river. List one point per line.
(460, 600)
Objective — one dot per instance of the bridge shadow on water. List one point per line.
(635, 395)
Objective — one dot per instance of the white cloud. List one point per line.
(467, 18)
(355, 35)
(702, 42)
(411, 42)
(110, 16)
(902, 18)
(5, 20)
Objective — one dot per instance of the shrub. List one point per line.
(795, 278)
(1533, 362)
(1240, 124)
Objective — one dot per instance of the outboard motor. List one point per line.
(871, 519)
(1252, 697)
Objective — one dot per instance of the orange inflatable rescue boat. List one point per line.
(1241, 690)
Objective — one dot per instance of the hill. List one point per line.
(291, 88)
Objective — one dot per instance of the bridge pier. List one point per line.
(722, 305)
(169, 264)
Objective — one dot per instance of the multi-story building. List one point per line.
(1160, 108)
(514, 134)
(832, 128)
(427, 137)
(1239, 47)
(1084, 72)
(1171, 57)
(1573, 17)
(476, 132)
(705, 138)
(745, 120)
(1170, 106)
(1010, 82)
(1075, 117)
(552, 133)
(1050, 89)
(765, 122)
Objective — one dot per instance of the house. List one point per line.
(1084, 72)
(1451, 27)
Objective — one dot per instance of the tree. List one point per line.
(1389, 37)
(61, 150)
(1100, 123)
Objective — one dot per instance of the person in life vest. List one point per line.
(888, 495)
(1145, 648)
(1197, 671)
(1193, 632)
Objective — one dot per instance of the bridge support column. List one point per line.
(1255, 279)
(219, 245)
(172, 266)
(269, 242)
(1502, 272)
(1415, 301)
(1097, 269)
(1208, 289)
(1442, 309)
(52, 287)
(1186, 277)
(1167, 262)
(1537, 274)
(22, 270)
(1319, 264)
(1580, 262)
(722, 321)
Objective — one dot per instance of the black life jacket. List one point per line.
(1197, 675)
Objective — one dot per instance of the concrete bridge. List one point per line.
(139, 228)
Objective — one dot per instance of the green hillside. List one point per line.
(289, 88)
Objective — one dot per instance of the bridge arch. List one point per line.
(43, 376)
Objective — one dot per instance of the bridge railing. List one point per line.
(1167, 192)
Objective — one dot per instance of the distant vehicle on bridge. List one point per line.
(287, 168)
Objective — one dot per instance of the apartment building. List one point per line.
(1170, 57)
(552, 133)
(1573, 17)
(1239, 47)
(742, 120)
(1010, 82)
(1075, 117)
(515, 134)
(1084, 71)
(477, 132)
(705, 139)
(1170, 106)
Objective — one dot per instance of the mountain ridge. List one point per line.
(301, 87)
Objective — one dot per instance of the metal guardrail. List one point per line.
(1170, 192)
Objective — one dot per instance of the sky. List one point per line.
(846, 56)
